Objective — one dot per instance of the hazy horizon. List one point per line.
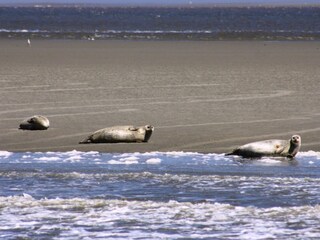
(162, 2)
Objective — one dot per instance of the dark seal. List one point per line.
(36, 122)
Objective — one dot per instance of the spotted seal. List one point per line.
(36, 122)
(119, 134)
(273, 148)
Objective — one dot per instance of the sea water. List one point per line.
(173, 23)
(158, 195)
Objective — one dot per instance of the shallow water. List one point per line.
(83, 195)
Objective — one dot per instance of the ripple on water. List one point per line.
(74, 195)
(80, 218)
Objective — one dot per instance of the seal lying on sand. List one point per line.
(118, 134)
(36, 122)
(272, 148)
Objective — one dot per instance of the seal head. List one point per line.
(295, 144)
(148, 132)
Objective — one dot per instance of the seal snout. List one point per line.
(296, 139)
(149, 128)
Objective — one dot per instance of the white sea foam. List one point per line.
(92, 218)
(182, 154)
(115, 162)
(127, 160)
(153, 161)
(309, 154)
(132, 158)
(5, 154)
(47, 158)
(74, 158)
(200, 185)
(310, 158)
(91, 153)
(271, 161)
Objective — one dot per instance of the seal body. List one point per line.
(119, 134)
(272, 148)
(36, 122)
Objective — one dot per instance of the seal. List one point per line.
(273, 148)
(118, 134)
(36, 122)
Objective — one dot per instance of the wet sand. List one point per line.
(200, 96)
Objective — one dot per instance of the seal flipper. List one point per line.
(290, 157)
(133, 128)
(32, 120)
(233, 152)
(86, 140)
(229, 153)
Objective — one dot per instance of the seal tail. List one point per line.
(233, 152)
(85, 141)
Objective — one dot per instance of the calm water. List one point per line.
(233, 23)
(174, 195)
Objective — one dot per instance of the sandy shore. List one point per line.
(200, 96)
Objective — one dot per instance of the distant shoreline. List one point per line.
(193, 5)
(172, 23)
(132, 36)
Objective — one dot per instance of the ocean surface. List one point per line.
(158, 195)
(215, 23)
